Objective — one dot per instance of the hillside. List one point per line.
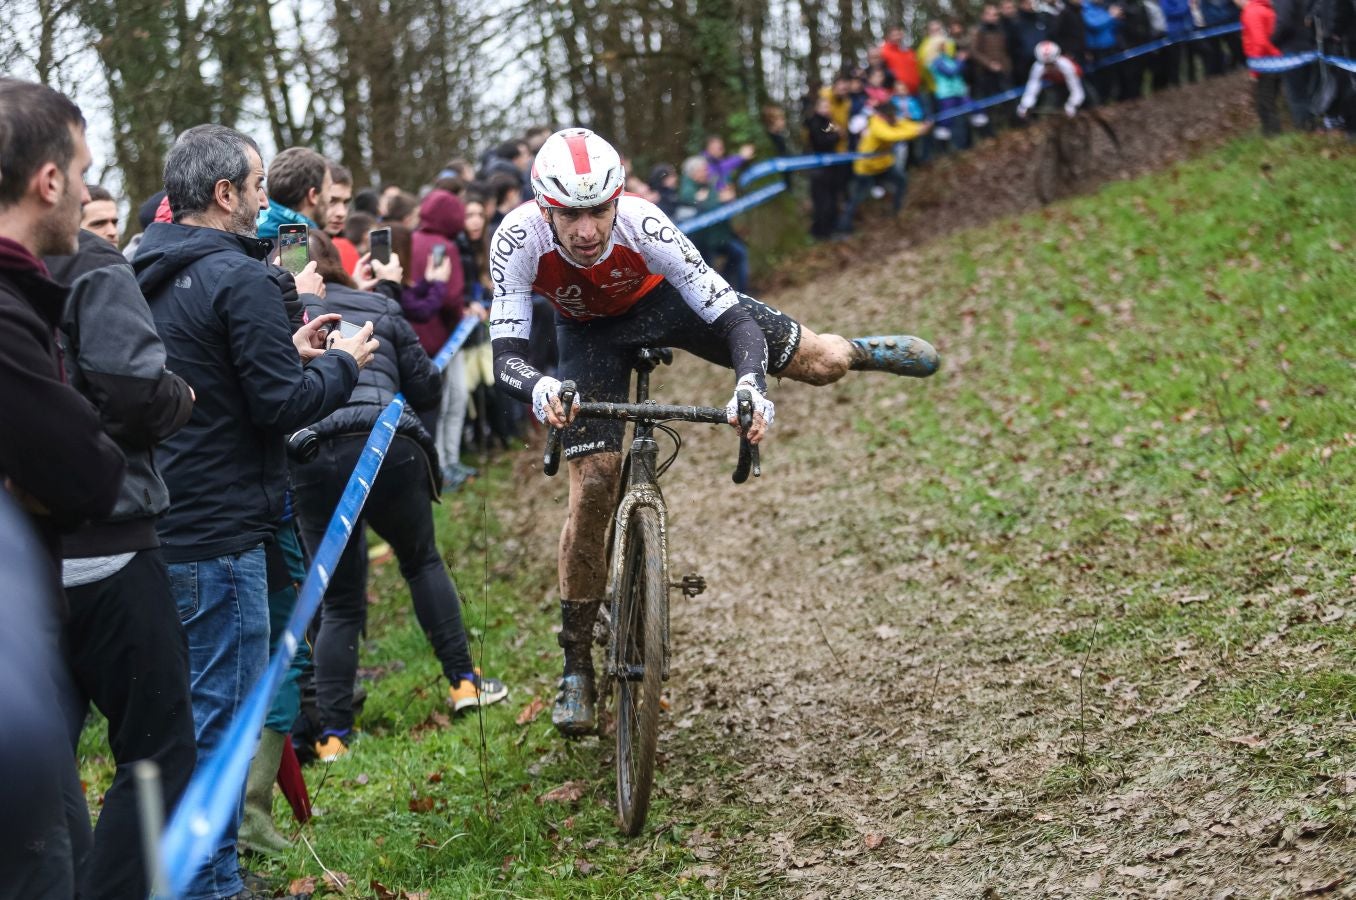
(1070, 618)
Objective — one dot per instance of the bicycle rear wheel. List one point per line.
(639, 626)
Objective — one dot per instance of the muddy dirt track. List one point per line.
(889, 724)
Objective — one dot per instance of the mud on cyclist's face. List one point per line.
(584, 233)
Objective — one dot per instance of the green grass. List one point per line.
(1151, 431)
(1150, 437)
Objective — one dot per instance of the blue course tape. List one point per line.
(731, 209)
(214, 792)
(1270, 65)
(783, 164)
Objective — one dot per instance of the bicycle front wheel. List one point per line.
(640, 627)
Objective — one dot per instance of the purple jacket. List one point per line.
(722, 169)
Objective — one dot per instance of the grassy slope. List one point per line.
(1147, 431)
(1141, 446)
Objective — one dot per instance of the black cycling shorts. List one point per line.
(597, 355)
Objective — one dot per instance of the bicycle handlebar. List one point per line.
(655, 412)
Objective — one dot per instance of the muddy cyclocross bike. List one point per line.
(635, 611)
(1071, 150)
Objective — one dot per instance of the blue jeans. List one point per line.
(736, 268)
(223, 605)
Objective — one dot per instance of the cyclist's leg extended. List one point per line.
(800, 354)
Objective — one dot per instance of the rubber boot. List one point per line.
(575, 712)
(257, 833)
(898, 354)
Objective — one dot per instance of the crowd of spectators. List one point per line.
(900, 83)
(184, 415)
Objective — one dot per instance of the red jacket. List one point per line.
(903, 62)
(1259, 20)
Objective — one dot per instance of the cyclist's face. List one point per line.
(584, 233)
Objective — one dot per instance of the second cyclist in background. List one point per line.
(1062, 74)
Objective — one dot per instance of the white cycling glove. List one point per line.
(543, 392)
(1070, 109)
(761, 405)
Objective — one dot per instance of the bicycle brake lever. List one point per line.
(748, 453)
(551, 461)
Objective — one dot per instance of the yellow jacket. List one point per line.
(840, 110)
(880, 137)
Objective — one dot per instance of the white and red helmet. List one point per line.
(576, 169)
(1047, 52)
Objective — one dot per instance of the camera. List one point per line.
(303, 445)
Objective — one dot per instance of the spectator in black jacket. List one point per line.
(125, 645)
(1294, 33)
(219, 310)
(821, 136)
(40, 774)
(399, 509)
(1070, 32)
(55, 459)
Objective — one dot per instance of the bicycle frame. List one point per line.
(641, 491)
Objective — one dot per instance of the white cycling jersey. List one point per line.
(1064, 71)
(645, 249)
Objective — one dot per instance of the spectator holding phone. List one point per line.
(399, 509)
(218, 307)
(299, 185)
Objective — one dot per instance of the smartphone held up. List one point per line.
(294, 247)
(379, 245)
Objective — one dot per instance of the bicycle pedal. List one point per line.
(691, 585)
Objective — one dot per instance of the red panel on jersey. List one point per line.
(609, 288)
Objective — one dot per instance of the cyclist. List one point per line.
(1061, 72)
(621, 276)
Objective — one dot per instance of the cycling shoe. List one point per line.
(898, 354)
(575, 713)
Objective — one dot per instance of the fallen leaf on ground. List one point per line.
(302, 885)
(381, 891)
(421, 804)
(1248, 740)
(874, 840)
(534, 708)
(338, 880)
(569, 792)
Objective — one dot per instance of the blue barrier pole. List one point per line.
(214, 791)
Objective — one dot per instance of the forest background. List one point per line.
(395, 88)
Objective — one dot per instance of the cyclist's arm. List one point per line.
(513, 265)
(1033, 88)
(669, 252)
(1075, 84)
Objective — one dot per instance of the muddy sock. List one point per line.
(576, 635)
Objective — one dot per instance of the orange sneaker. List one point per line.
(331, 748)
(476, 690)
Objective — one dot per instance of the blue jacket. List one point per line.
(219, 311)
(1178, 16)
(1102, 30)
(277, 214)
(1219, 12)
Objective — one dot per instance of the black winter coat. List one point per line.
(219, 311)
(52, 445)
(115, 358)
(400, 365)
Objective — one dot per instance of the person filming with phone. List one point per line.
(399, 508)
(218, 308)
